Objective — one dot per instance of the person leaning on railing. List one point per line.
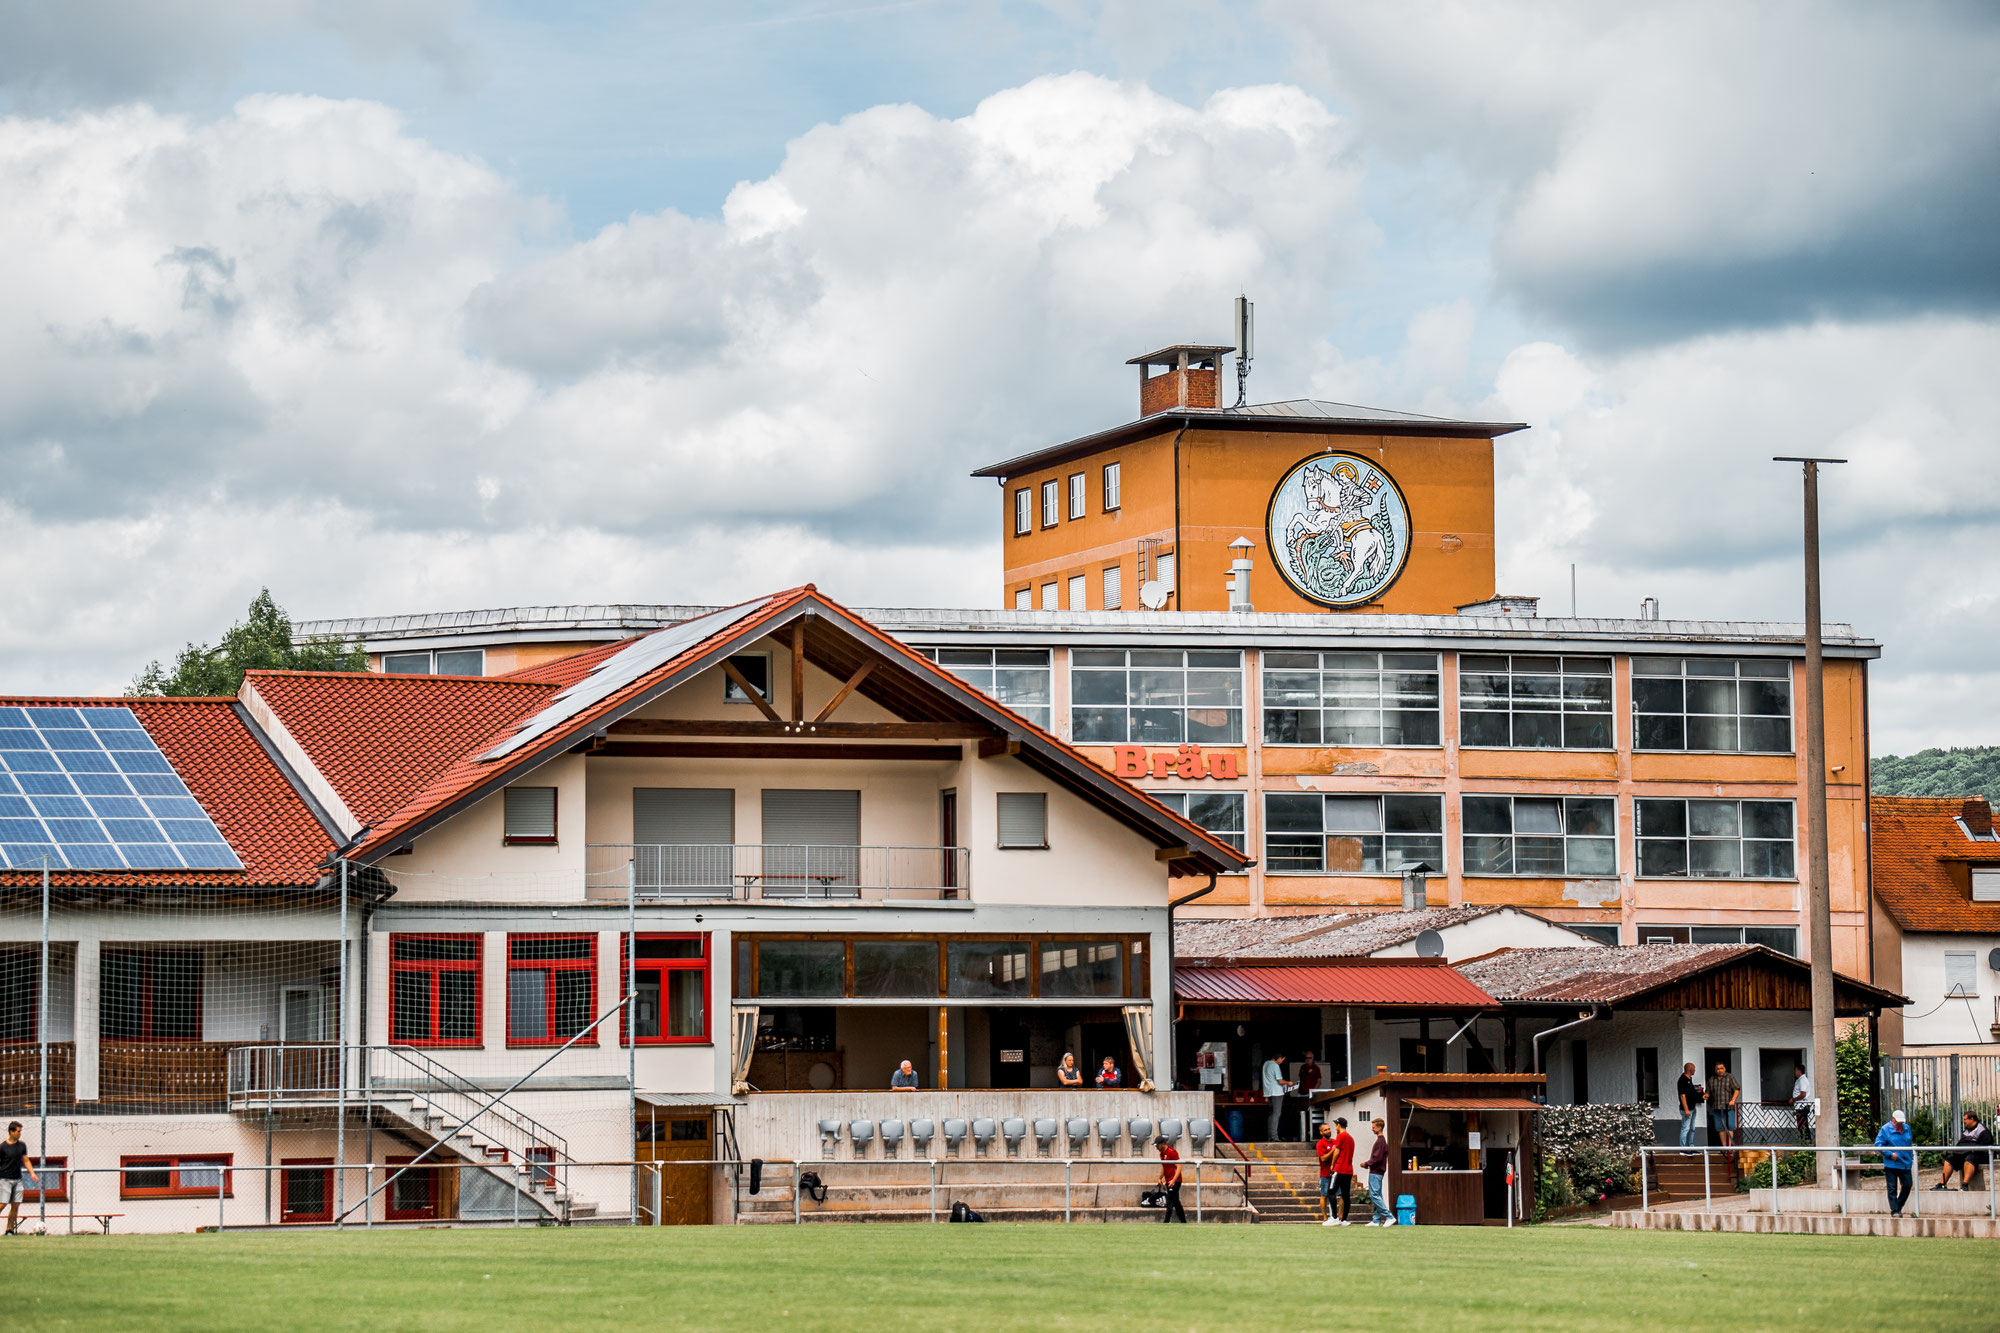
(1976, 1135)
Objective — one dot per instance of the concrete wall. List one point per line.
(785, 1126)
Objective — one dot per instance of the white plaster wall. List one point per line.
(899, 799)
(1091, 859)
(1934, 1019)
(466, 857)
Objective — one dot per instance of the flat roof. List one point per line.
(945, 627)
(1310, 415)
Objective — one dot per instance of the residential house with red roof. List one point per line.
(1936, 872)
(636, 900)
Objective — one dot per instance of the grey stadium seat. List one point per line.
(954, 1134)
(1078, 1130)
(892, 1137)
(920, 1134)
(983, 1130)
(1109, 1130)
(1045, 1134)
(862, 1132)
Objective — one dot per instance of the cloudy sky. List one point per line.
(404, 305)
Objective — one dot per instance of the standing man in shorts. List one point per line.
(13, 1161)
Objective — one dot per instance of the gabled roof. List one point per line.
(1336, 935)
(1294, 414)
(1629, 975)
(604, 685)
(1914, 843)
(242, 789)
(380, 739)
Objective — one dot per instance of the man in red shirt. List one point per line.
(1342, 1165)
(1323, 1150)
(1170, 1179)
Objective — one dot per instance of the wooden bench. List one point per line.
(103, 1220)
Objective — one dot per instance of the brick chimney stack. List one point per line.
(1977, 813)
(1179, 377)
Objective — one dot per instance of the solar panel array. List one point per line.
(88, 789)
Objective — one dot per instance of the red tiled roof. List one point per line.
(268, 826)
(1406, 982)
(468, 769)
(380, 739)
(1914, 843)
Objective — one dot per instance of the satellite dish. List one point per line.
(1993, 960)
(1430, 944)
(1153, 595)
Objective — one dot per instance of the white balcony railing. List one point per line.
(783, 872)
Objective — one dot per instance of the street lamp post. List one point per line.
(1826, 1079)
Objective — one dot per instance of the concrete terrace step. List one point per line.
(1208, 1215)
(1809, 1224)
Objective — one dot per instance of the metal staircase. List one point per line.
(416, 1094)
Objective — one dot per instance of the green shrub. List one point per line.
(1794, 1169)
(1552, 1188)
(1597, 1171)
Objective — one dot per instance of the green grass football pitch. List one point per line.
(878, 1277)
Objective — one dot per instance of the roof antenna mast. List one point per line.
(1246, 321)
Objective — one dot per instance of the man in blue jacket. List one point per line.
(1898, 1168)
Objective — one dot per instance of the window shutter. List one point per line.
(683, 815)
(812, 818)
(1961, 974)
(1986, 886)
(1024, 599)
(1163, 570)
(1049, 597)
(1076, 592)
(1024, 819)
(1114, 592)
(531, 814)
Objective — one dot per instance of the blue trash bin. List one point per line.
(1406, 1210)
(1234, 1120)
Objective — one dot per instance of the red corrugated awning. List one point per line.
(1473, 1104)
(1406, 984)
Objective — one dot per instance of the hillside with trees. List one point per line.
(1971, 771)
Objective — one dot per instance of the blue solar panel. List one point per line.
(88, 789)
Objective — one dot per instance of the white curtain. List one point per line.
(743, 1032)
(1139, 1032)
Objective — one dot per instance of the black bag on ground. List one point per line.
(812, 1187)
(960, 1212)
(756, 1174)
(1153, 1198)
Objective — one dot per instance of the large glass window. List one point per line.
(1218, 812)
(1306, 833)
(1782, 939)
(1095, 968)
(989, 969)
(801, 968)
(1534, 703)
(1155, 696)
(434, 989)
(670, 989)
(1024, 511)
(894, 969)
(1540, 835)
(1350, 698)
(551, 987)
(1715, 839)
(1712, 704)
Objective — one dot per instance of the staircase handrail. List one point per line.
(538, 1134)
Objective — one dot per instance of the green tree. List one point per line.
(1854, 1080)
(261, 639)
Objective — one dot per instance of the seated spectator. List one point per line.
(1067, 1074)
(1109, 1077)
(904, 1079)
(1976, 1135)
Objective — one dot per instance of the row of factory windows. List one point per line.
(1060, 495)
(1173, 696)
(1554, 837)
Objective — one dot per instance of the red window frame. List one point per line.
(428, 1175)
(664, 965)
(585, 965)
(476, 965)
(172, 1165)
(39, 1193)
(303, 1165)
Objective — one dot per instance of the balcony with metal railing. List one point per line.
(814, 874)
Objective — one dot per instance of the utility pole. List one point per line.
(1826, 1079)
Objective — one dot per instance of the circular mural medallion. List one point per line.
(1338, 529)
